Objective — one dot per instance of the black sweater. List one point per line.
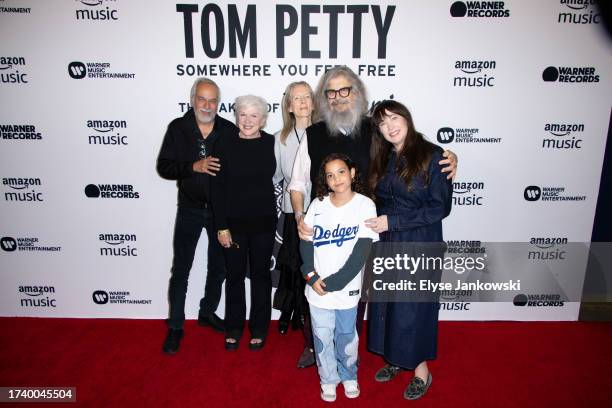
(242, 191)
(355, 146)
(180, 149)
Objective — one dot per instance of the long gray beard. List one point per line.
(348, 120)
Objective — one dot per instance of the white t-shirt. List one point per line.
(336, 230)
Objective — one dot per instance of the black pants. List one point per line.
(187, 229)
(256, 249)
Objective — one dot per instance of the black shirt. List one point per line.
(181, 148)
(242, 191)
(356, 146)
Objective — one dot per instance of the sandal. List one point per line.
(231, 345)
(417, 388)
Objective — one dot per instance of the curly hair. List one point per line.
(321, 187)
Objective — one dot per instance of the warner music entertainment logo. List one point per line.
(579, 12)
(479, 9)
(26, 244)
(118, 245)
(19, 132)
(103, 297)
(9, 70)
(22, 189)
(96, 10)
(541, 300)
(107, 133)
(547, 248)
(37, 296)
(535, 193)
(95, 70)
(464, 135)
(564, 138)
(468, 193)
(474, 73)
(15, 10)
(570, 74)
(111, 191)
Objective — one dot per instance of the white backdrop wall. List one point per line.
(496, 71)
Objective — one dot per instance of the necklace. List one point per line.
(299, 139)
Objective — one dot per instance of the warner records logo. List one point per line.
(468, 193)
(464, 135)
(37, 296)
(9, 70)
(540, 300)
(119, 297)
(579, 12)
(22, 189)
(111, 191)
(26, 244)
(547, 249)
(474, 73)
(103, 129)
(118, 245)
(570, 74)
(479, 9)
(563, 136)
(97, 10)
(19, 132)
(536, 193)
(465, 247)
(95, 70)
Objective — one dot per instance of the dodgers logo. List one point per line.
(338, 235)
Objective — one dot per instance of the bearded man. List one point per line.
(343, 127)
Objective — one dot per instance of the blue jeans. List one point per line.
(336, 342)
(187, 229)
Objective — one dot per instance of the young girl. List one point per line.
(333, 265)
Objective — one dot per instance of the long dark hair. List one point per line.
(321, 187)
(412, 159)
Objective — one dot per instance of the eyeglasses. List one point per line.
(202, 145)
(343, 92)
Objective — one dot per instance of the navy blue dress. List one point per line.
(406, 333)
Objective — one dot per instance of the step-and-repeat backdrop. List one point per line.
(520, 90)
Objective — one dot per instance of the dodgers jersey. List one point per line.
(335, 232)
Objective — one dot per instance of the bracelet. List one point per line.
(310, 276)
(298, 214)
(223, 232)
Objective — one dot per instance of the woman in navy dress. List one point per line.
(412, 198)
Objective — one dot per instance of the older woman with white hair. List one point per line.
(245, 218)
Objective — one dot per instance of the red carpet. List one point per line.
(116, 363)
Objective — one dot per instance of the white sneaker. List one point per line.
(328, 392)
(351, 388)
